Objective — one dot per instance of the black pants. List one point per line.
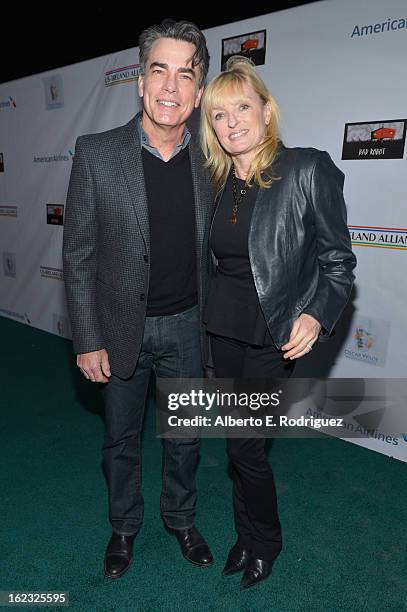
(254, 493)
(171, 348)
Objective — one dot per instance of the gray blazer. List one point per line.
(106, 246)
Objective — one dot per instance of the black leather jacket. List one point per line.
(299, 245)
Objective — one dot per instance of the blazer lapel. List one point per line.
(132, 165)
(201, 205)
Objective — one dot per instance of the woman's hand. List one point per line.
(304, 333)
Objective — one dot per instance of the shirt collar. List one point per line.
(145, 142)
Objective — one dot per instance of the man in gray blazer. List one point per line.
(138, 210)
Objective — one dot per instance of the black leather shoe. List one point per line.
(236, 561)
(193, 546)
(256, 570)
(118, 556)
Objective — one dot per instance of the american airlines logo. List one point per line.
(390, 25)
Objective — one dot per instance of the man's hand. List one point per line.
(94, 366)
(304, 333)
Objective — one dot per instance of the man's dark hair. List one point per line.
(178, 30)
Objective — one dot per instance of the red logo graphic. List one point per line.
(383, 133)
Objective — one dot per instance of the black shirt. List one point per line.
(233, 308)
(171, 209)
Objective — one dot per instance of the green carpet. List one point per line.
(343, 508)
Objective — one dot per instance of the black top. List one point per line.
(233, 308)
(170, 196)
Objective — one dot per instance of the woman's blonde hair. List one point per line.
(238, 71)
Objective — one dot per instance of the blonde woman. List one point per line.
(282, 274)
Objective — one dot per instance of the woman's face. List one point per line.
(240, 120)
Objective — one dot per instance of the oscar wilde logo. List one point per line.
(364, 339)
(60, 324)
(9, 264)
(378, 140)
(368, 340)
(125, 74)
(54, 92)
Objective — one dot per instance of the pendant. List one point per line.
(233, 219)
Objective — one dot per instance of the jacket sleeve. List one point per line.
(79, 253)
(334, 251)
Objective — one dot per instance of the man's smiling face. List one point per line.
(170, 85)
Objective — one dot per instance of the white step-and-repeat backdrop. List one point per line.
(337, 69)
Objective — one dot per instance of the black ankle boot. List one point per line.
(256, 570)
(236, 561)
